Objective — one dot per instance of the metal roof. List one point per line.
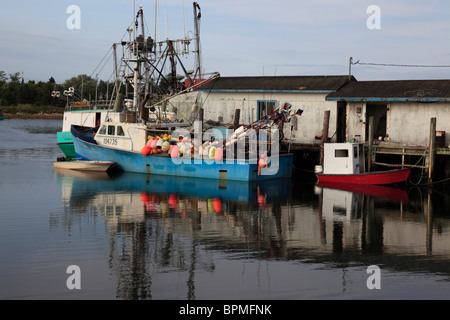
(394, 90)
(278, 83)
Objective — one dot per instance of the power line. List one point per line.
(400, 65)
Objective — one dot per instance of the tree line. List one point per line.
(15, 91)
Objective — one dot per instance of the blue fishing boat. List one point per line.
(143, 135)
(269, 165)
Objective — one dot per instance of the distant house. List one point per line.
(402, 110)
(257, 96)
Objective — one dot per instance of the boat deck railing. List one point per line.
(88, 105)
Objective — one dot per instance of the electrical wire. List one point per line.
(400, 65)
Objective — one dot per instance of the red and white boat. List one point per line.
(344, 163)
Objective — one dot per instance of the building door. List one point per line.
(379, 114)
(341, 125)
(98, 118)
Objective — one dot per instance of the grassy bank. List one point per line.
(30, 111)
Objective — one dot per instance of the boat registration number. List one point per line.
(110, 141)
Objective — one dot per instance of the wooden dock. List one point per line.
(427, 155)
(386, 154)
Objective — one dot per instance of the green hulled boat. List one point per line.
(65, 143)
(89, 116)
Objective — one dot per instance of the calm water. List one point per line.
(139, 237)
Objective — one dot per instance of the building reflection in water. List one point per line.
(159, 224)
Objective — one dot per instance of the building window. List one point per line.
(265, 107)
(341, 153)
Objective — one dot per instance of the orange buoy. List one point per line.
(145, 150)
(174, 151)
(218, 154)
(217, 205)
(262, 163)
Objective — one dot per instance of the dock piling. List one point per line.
(432, 148)
(324, 138)
(370, 145)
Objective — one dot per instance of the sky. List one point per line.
(238, 37)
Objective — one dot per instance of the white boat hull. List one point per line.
(84, 165)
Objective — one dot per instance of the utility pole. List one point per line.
(350, 68)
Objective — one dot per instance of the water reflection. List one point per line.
(160, 225)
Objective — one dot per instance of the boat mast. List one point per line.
(197, 17)
(138, 48)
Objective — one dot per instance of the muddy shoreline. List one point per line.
(33, 116)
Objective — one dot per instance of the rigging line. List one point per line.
(105, 64)
(112, 74)
(146, 25)
(400, 65)
(101, 61)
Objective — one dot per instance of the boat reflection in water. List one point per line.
(172, 237)
(354, 208)
(158, 222)
(392, 222)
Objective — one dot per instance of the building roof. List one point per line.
(278, 84)
(394, 90)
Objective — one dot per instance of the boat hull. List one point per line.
(369, 178)
(199, 168)
(101, 166)
(65, 143)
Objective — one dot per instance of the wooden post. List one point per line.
(200, 115)
(432, 148)
(403, 158)
(237, 114)
(324, 138)
(370, 145)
